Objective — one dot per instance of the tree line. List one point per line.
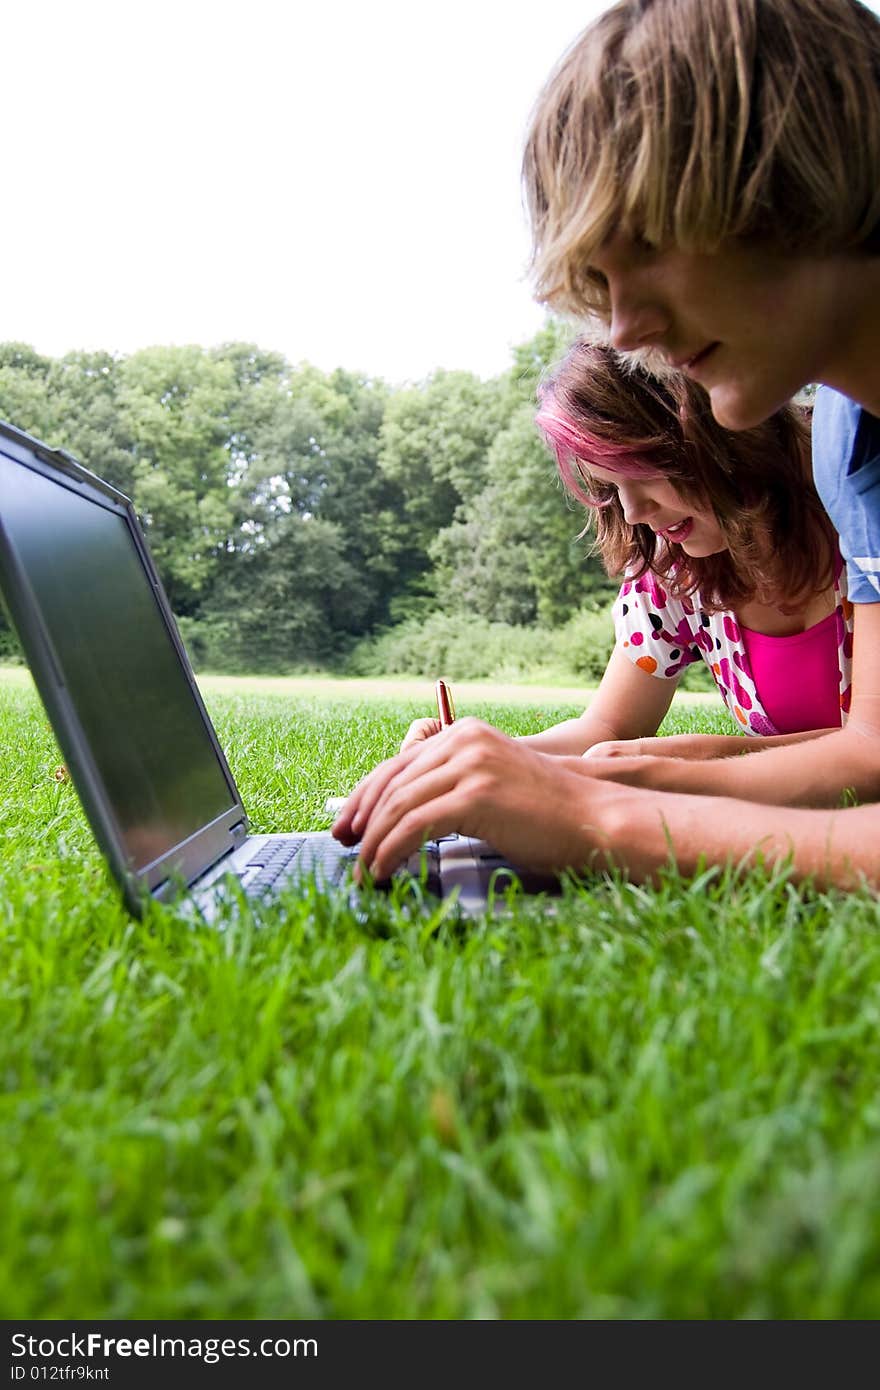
(294, 513)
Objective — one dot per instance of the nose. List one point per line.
(638, 319)
(636, 501)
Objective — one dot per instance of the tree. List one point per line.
(533, 359)
(362, 500)
(309, 450)
(291, 511)
(282, 605)
(84, 390)
(25, 396)
(514, 554)
(176, 404)
(435, 444)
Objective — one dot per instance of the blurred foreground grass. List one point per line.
(647, 1103)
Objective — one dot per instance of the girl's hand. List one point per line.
(693, 747)
(418, 730)
(621, 748)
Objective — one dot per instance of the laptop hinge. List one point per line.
(238, 831)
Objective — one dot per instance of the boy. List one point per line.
(703, 177)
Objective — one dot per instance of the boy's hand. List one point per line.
(535, 808)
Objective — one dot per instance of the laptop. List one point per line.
(85, 599)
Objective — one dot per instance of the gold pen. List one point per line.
(445, 705)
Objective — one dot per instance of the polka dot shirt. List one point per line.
(663, 634)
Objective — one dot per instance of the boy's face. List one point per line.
(751, 325)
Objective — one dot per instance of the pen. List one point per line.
(445, 706)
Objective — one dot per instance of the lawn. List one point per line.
(648, 1104)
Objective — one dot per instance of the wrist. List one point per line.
(611, 819)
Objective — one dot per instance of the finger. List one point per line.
(400, 838)
(419, 730)
(373, 787)
(406, 799)
(360, 806)
(343, 827)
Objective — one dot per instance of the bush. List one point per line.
(470, 648)
(217, 644)
(457, 645)
(10, 651)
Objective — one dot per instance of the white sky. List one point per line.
(338, 181)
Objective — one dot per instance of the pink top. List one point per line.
(803, 680)
(792, 674)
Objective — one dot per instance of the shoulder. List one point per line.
(835, 419)
(845, 437)
(834, 425)
(641, 599)
(846, 469)
(662, 633)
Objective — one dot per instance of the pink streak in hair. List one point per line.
(571, 445)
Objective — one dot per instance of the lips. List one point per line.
(678, 533)
(692, 364)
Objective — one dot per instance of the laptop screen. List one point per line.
(147, 736)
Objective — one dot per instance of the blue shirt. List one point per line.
(846, 470)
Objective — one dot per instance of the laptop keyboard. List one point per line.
(327, 858)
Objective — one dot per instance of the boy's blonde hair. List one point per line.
(693, 121)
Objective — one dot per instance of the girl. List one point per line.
(728, 556)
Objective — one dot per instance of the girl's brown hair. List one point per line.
(599, 408)
(689, 122)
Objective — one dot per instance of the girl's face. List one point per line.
(651, 500)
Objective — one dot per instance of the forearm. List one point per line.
(701, 747)
(629, 704)
(570, 738)
(641, 832)
(815, 772)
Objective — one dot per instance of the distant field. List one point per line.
(467, 693)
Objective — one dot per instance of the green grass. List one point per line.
(652, 1104)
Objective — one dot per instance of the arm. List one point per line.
(629, 704)
(700, 746)
(815, 772)
(549, 813)
(643, 830)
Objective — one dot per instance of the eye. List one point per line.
(594, 292)
(599, 493)
(644, 245)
